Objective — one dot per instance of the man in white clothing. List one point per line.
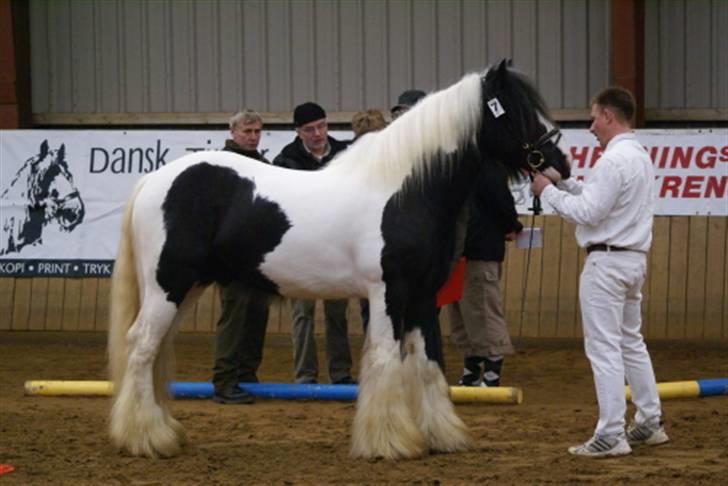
(613, 210)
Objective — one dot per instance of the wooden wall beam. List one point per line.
(15, 108)
(627, 51)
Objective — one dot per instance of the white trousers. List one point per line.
(610, 297)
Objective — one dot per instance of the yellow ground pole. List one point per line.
(496, 394)
(49, 388)
(673, 389)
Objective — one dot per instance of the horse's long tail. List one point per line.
(124, 295)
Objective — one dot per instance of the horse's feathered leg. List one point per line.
(436, 416)
(139, 423)
(384, 424)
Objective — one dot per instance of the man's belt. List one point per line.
(603, 247)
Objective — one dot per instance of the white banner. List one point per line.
(62, 191)
(691, 169)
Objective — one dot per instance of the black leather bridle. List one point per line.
(534, 156)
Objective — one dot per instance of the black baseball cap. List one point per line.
(408, 99)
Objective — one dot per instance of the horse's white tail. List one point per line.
(124, 296)
(140, 336)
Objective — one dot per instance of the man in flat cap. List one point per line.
(406, 100)
(312, 149)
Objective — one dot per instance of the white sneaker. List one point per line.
(602, 447)
(638, 434)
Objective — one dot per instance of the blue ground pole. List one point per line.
(713, 387)
(284, 391)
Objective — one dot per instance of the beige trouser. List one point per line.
(477, 323)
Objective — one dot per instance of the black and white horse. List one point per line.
(43, 187)
(378, 222)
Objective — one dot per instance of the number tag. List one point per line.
(496, 108)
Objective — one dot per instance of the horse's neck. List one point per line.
(456, 182)
(443, 123)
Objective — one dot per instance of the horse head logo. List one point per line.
(44, 191)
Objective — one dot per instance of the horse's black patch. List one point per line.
(217, 230)
(418, 228)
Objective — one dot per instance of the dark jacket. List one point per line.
(231, 146)
(295, 156)
(492, 215)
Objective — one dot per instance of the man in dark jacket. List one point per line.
(244, 318)
(312, 149)
(477, 322)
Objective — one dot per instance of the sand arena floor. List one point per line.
(64, 440)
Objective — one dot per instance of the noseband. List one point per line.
(534, 156)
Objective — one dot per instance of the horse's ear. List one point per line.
(61, 152)
(43, 149)
(497, 76)
(503, 68)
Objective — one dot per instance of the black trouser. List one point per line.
(240, 335)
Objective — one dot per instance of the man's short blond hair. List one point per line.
(245, 116)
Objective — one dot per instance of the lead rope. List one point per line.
(536, 208)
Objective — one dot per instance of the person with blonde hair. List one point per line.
(367, 121)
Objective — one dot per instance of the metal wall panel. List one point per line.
(211, 56)
(686, 66)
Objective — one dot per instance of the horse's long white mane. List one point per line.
(444, 121)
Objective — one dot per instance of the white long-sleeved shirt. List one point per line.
(616, 202)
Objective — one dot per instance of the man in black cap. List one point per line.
(312, 149)
(406, 100)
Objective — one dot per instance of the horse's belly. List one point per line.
(324, 267)
(311, 276)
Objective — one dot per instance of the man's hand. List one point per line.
(552, 174)
(511, 236)
(539, 183)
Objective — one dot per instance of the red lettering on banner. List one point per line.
(691, 189)
(596, 153)
(717, 187)
(653, 153)
(579, 158)
(663, 158)
(672, 184)
(709, 161)
(724, 154)
(681, 157)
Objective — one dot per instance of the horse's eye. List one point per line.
(54, 193)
